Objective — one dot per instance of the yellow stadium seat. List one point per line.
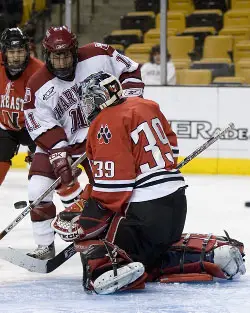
(217, 47)
(118, 47)
(138, 57)
(27, 10)
(153, 35)
(213, 60)
(181, 63)
(136, 32)
(40, 5)
(139, 48)
(175, 20)
(185, 6)
(240, 4)
(237, 18)
(242, 50)
(242, 69)
(180, 46)
(139, 52)
(141, 13)
(229, 80)
(194, 77)
(192, 30)
(238, 33)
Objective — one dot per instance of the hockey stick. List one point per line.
(47, 266)
(35, 265)
(204, 146)
(38, 200)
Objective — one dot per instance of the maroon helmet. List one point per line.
(60, 40)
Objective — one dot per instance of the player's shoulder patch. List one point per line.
(49, 93)
(104, 134)
(101, 45)
(132, 92)
(92, 50)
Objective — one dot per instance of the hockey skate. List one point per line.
(43, 252)
(108, 282)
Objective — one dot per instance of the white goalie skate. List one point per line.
(43, 252)
(108, 283)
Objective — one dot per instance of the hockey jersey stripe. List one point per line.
(160, 181)
(159, 177)
(110, 184)
(114, 189)
(117, 182)
(155, 174)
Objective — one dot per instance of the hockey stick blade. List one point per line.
(20, 259)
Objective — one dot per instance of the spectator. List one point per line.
(151, 71)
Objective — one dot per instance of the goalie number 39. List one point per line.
(104, 169)
(157, 155)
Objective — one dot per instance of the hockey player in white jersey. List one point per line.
(57, 123)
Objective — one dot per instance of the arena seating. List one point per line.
(139, 52)
(208, 39)
(242, 50)
(229, 80)
(138, 20)
(194, 77)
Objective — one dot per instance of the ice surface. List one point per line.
(214, 203)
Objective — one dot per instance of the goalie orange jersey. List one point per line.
(133, 154)
(12, 95)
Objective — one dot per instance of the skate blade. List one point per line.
(108, 283)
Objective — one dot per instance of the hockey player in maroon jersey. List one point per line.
(16, 67)
(56, 123)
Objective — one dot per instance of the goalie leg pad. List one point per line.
(186, 278)
(107, 269)
(218, 256)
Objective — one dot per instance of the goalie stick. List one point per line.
(38, 200)
(46, 266)
(20, 259)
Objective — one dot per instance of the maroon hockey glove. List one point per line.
(60, 161)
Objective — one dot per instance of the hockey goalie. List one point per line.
(128, 230)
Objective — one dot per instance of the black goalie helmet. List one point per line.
(11, 39)
(97, 92)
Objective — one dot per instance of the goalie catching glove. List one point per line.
(83, 220)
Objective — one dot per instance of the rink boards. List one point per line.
(195, 114)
